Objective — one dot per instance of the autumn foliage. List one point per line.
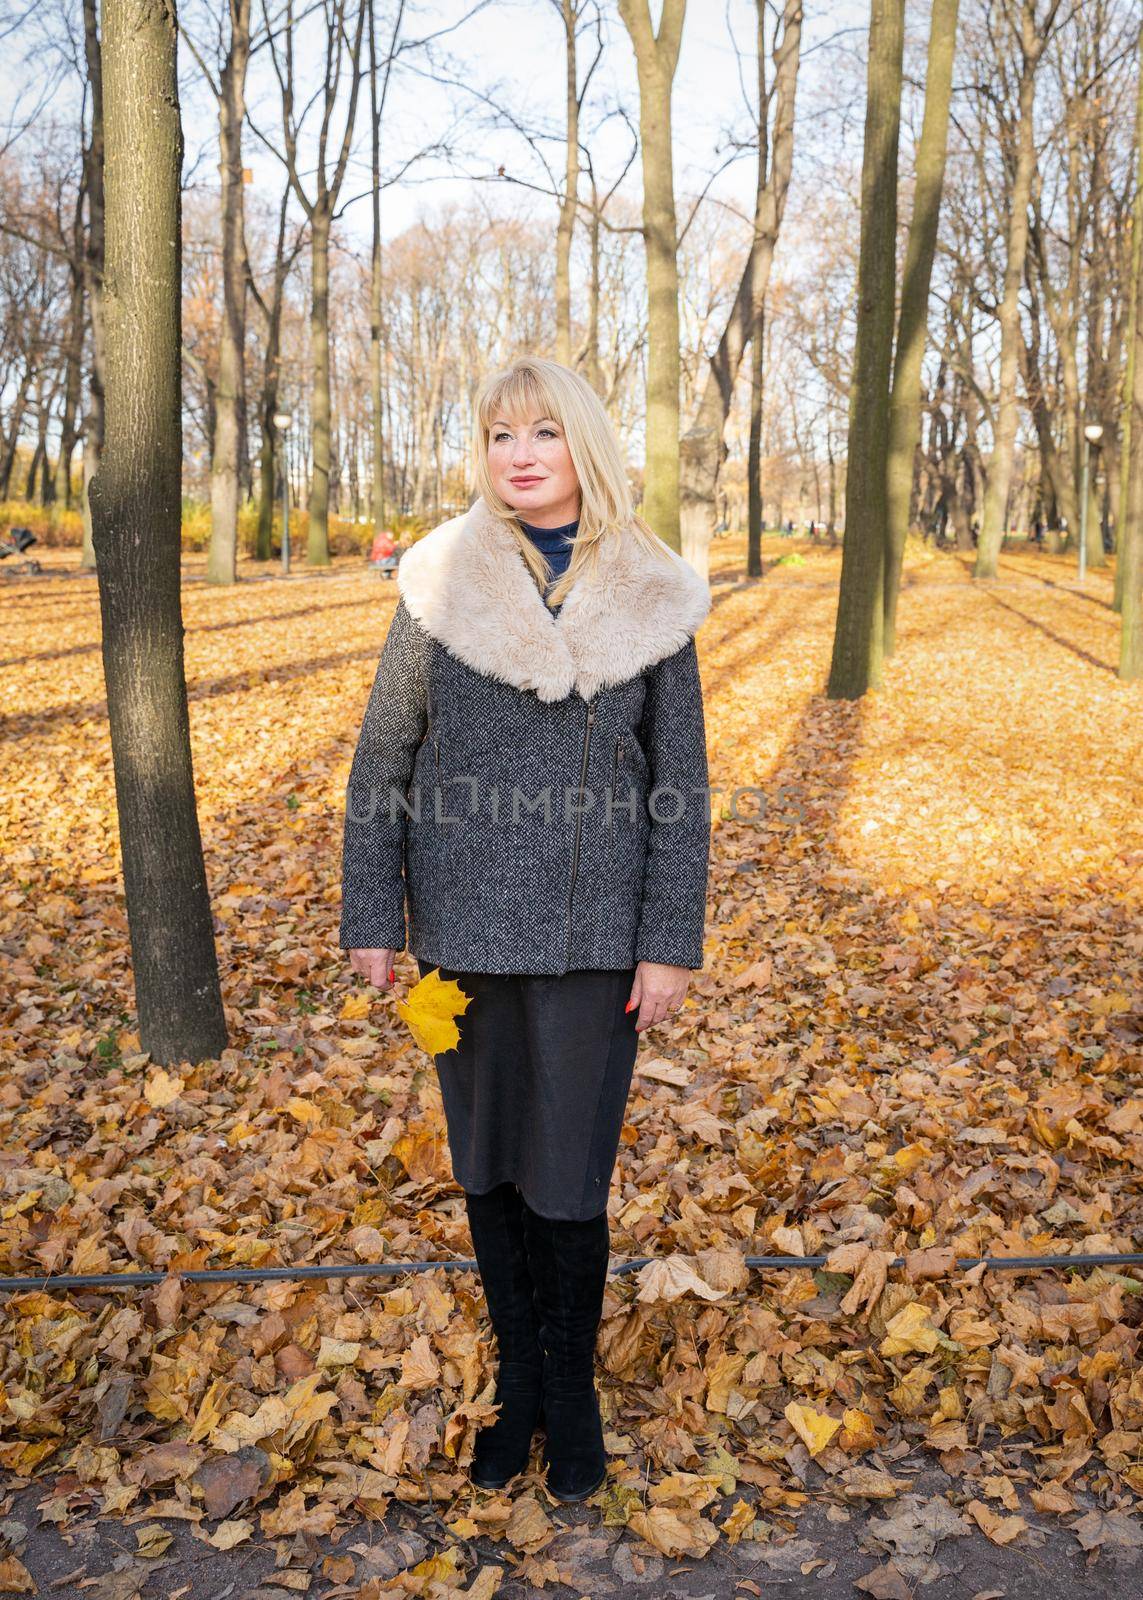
(917, 1034)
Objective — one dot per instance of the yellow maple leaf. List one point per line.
(162, 1089)
(303, 1111)
(909, 1330)
(430, 1010)
(814, 1428)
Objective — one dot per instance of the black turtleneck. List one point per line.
(554, 543)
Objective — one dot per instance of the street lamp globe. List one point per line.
(282, 421)
(1093, 432)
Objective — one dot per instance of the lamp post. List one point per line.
(1092, 434)
(282, 421)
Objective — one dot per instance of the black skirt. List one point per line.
(536, 1090)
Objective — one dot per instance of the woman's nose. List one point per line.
(523, 455)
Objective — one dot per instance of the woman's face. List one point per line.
(531, 470)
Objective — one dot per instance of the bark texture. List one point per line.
(136, 510)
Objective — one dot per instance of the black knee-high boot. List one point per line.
(568, 1263)
(496, 1222)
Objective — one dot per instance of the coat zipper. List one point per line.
(579, 818)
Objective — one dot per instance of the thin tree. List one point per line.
(702, 447)
(376, 349)
(857, 642)
(136, 515)
(272, 309)
(1127, 420)
(229, 441)
(1131, 549)
(656, 57)
(571, 13)
(1032, 34)
(71, 422)
(343, 53)
(754, 511)
(905, 400)
(93, 269)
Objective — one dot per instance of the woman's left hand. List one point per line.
(658, 991)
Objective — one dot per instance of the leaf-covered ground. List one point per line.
(918, 1033)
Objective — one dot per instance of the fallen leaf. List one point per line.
(814, 1428)
(909, 1330)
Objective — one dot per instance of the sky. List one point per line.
(512, 52)
(503, 53)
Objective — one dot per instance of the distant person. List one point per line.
(383, 546)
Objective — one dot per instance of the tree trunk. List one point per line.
(230, 394)
(755, 524)
(1127, 423)
(16, 423)
(1131, 538)
(702, 447)
(569, 201)
(73, 377)
(93, 425)
(431, 412)
(994, 522)
(136, 509)
(591, 353)
(271, 372)
(857, 643)
(40, 453)
(1040, 406)
(1062, 303)
(377, 421)
(905, 403)
(376, 348)
(318, 508)
(320, 209)
(656, 57)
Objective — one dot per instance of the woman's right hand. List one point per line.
(376, 966)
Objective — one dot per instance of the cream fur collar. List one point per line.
(466, 583)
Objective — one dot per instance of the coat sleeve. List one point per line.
(373, 844)
(673, 911)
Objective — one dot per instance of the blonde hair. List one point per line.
(535, 386)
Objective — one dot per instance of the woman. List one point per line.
(531, 774)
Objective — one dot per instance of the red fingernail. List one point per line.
(392, 974)
(629, 1004)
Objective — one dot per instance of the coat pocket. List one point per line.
(618, 770)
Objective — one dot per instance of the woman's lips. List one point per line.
(523, 483)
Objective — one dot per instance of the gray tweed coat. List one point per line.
(533, 782)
